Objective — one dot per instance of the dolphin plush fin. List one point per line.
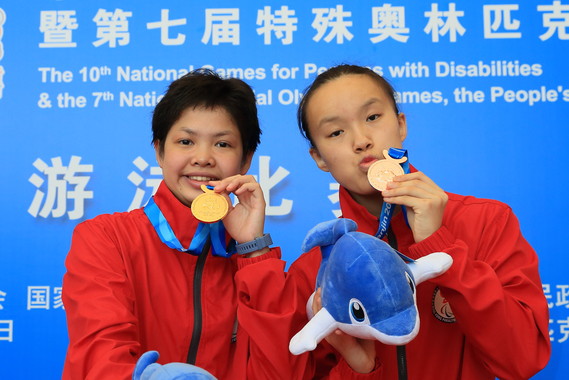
(327, 233)
(430, 266)
(318, 328)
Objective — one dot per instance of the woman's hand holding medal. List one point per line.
(210, 206)
(424, 201)
(246, 220)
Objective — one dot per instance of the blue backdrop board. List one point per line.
(484, 85)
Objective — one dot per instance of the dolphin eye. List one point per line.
(357, 312)
(411, 283)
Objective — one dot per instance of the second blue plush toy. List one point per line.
(147, 369)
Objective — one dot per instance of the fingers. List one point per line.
(413, 184)
(368, 345)
(243, 186)
(246, 219)
(411, 188)
(358, 353)
(317, 301)
(425, 202)
(236, 184)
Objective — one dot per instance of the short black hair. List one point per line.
(205, 88)
(333, 73)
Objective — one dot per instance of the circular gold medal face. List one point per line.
(383, 171)
(210, 206)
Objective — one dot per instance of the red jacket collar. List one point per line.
(351, 209)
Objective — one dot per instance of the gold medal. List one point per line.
(210, 206)
(383, 171)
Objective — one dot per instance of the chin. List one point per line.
(187, 197)
(187, 201)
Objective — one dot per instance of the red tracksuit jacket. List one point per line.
(485, 317)
(125, 292)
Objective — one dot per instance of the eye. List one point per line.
(185, 142)
(336, 133)
(358, 314)
(373, 117)
(411, 283)
(223, 144)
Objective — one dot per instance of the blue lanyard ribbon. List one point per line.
(387, 208)
(213, 231)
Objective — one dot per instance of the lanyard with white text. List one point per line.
(387, 208)
(214, 231)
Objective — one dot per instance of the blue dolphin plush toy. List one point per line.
(368, 288)
(147, 369)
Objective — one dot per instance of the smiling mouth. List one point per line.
(200, 178)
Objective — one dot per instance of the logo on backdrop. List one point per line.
(441, 307)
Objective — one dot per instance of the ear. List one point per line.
(318, 159)
(402, 120)
(158, 152)
(246, 163)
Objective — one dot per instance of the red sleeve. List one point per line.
(103, 338)
(495, 292)
(268, 310)
(342, 371)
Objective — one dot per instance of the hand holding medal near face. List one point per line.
(382, 171)
(210, 206)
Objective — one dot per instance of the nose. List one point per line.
(362, 139)
(202, 157)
